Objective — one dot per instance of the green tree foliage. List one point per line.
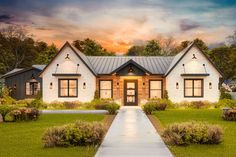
(91, 48)
(135, 51)
(225, 58)
(152, 48)
(19, 50)
(46, 54)
(16, 48)
(200, 43)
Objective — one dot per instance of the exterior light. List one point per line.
(14, 87)
(50, 85)
(143, 83)
(131, 70)
(177, 85)
(67, 56)
(194, 57)
(84, 85)
(33, 79)
(117, 84)
(210, 85)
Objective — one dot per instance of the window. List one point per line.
(68, 87)
(155, 88)
(193, 88)
(105, 89)
(32, 88)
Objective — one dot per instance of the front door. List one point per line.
(130, 93)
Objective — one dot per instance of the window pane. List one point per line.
(27, 88)
(197, 92)
(155, 84)
(198, 83)
(105, 84)
(72, 92)
(105, 94)
(155, 94)
(72, 83)
(130, 85)
(64, 83)
(64, 92)
(188, 83)
(188, 92)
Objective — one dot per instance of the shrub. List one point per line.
(165, 95)
(100, 104)
(6, 98)
(24, 114)
(71, 105)
(229, 114)
(224, 95)
(5, 109)
(226, 103)
(78, 134)
(56, 105)
(193, 132)
(37, 103)
(25, 101)
(112, 108)
(149, 107)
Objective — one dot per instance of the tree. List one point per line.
(135, 51)
(16, 48)
(232, 39)
(152, 48)
(224, 57)
(91, 48)
(200, 44)
(46, 54)
(168, 46)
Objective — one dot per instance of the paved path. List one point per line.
(132, 135)
(73, 111)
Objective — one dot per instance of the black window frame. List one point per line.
(34, 92)
(202, 87)
(155, 89)
(68, 87)
(106, 89)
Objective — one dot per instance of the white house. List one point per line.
(130, 80)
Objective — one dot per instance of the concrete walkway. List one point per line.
(132, 135)
(73, 111)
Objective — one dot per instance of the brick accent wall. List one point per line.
(118, 86)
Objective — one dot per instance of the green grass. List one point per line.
(24, 139)
(226, 149)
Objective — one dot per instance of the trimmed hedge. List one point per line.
(79, 133)
(156, 105)
(193, 132)
(25, 114)
(229, 114)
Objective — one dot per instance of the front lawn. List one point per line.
(24, 139)
(226, 149)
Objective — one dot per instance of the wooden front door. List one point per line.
(130, 93)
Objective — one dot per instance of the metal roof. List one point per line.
(107, 64)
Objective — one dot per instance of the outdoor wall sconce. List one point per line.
(50, 85)
(14, 87)
(194, 57)
(143, 83)
(117, 84)
(177, 85)
(210, 85)
(67, 56)
(84, 85)
(131, 70)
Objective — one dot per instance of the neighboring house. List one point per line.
(130, 80)
(24, 83)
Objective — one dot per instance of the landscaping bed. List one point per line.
(25, 138)
(162, 119)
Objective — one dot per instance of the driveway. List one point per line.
(132, 135)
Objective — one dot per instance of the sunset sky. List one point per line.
(118, 24)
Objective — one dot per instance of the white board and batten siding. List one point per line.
(68, 66)
(193, 66)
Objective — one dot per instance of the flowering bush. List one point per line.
(24, 114)
(193, 132)
(77, 134)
